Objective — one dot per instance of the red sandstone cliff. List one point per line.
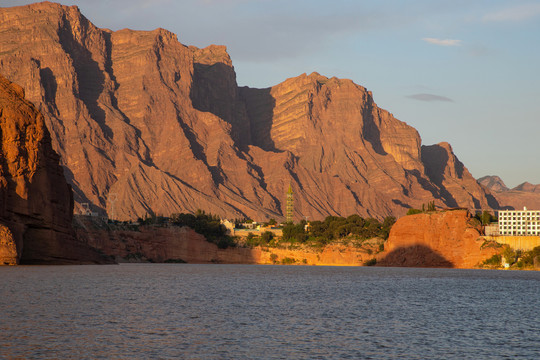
(35, 201)
(159, 127)
(438, 239)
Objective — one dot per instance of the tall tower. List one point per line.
(289, 209)
(112, 197)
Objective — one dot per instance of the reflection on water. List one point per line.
(265, 312)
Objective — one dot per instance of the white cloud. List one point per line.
(429, 97)
(443, 42)
(515, 13)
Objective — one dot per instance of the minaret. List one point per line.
(289, 209)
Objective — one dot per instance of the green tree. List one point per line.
(294, 233)
(509, 255)
(486, 218)
(267, 237)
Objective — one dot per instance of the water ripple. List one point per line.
(267, 312)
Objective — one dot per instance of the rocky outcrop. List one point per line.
(145, 124)
(438, 239)
(36, 203)
(8, 247)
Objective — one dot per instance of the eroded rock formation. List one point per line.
(437, 239)
(145, 124)
(36, 203)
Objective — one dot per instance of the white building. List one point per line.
(519, 222)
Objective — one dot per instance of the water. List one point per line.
(267, 312)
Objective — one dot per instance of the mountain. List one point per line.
(524, 195)
(493, 183)
(528, 187)
(147, 125)
(36, 204)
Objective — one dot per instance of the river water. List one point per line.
(267, 312)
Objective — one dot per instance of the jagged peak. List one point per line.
(493, 182)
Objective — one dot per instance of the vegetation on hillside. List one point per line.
(485, 217)
(317, 233)
(429, 208)
(516, 259)
(207, 225)
(333, 229)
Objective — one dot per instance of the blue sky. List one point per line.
(465, 72)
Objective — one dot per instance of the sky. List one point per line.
(462, 71)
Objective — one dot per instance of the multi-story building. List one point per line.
(519, 222)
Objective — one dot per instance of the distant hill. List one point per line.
(493, 183)
(523, 195)
(528, 187)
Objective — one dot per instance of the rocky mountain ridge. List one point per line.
(147, 125)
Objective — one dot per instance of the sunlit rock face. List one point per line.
(146, 125)
(440, 239)
(36, 203)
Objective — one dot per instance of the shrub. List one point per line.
(494, 260)
(288, 261)
(267, 237)
(412, 211)
(370, 262)
(174, 261)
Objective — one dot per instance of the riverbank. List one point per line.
(182, 244)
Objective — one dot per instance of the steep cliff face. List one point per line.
(458, 188)
(145, 124)
(36, 203)
(440, 239)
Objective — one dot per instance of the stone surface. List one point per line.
(439, 239)
(36, 203)
(145, 125)
(8, 247)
